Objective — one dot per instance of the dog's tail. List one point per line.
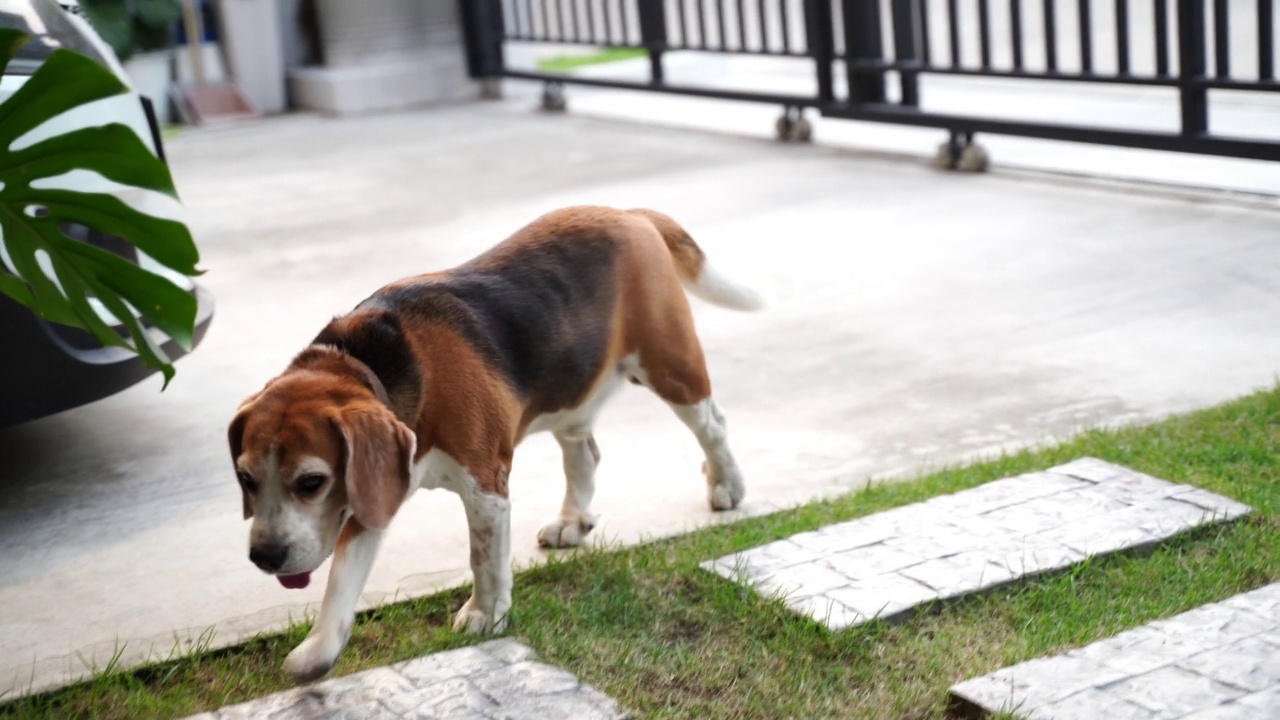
(697, 275)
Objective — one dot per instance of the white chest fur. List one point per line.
(582, 416)
(438, 469)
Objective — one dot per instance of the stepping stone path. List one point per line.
(496, 680)
(1217, 662)
(887, 564)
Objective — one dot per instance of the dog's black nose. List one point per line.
(269, 558)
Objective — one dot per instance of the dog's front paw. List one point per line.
(725, 488)
(474, 619)
(313, 658)
(566, 532)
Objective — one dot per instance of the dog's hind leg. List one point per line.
(725, 488)
(352, 559)
(675, 369)
(581, 457)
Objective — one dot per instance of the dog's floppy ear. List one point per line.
(377, 456)
(235, 439)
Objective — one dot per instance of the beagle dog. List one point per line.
(435, 379)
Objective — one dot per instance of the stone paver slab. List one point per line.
(496, 680)
(885, 565)
(1174, 692)
(1250, 664)
(1267, 702)
(1093, 704)
(1210, 663)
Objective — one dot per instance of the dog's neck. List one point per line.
(373, 348)
(321, 354)
(369, 377)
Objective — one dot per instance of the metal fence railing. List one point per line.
(869, 55)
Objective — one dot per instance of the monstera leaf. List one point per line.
(56, 275)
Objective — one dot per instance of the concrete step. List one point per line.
(499, 678)
(1216, 662)
(886, 565)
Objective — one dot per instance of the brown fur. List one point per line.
(524, 337)
(472, 415)
(464, 405)
(377, 456)
(301, 416)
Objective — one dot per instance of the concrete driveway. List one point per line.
(918, 317)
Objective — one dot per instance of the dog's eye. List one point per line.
(308, 484)
(247, 482)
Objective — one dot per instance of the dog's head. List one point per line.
(311, 451)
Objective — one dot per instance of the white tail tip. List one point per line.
(719, 290)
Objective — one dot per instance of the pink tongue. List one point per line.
(295, 582)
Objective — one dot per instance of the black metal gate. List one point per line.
(869, 55)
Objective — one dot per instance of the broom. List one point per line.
(203, 103)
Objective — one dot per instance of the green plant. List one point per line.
(55, 275)
(131, 26)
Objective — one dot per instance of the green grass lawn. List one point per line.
(565, 63)
(669, 640)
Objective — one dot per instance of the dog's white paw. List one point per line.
(566, 532)
(313, 658)
(474, 619)
(725, 488)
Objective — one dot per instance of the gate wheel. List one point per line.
(491, 88)
(553, 99)
(960, 152)
(793, 126)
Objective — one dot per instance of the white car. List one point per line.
(45, 367)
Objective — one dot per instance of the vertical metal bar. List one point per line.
(819, 29)
(1086, 37)
(558, 5)
(720, 25)
(862, 42)
(984, 33)
(742, 25)
(1266, 40)
(482, 31)
(546, 21)
(926, 55)
(498, 21)
(1015, 31)
(577, 21)
(653, 35)
(702, 23)
(764, 26)
(1191, 66)
(525, 18)
(1221, 40)
(608, 21)
(904, 49)
(622, 20)
(953, 29)
(1122, 37)
(786, 33)
(1162, 38)
(552, 32)
(1050, 36)
(684, 22)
